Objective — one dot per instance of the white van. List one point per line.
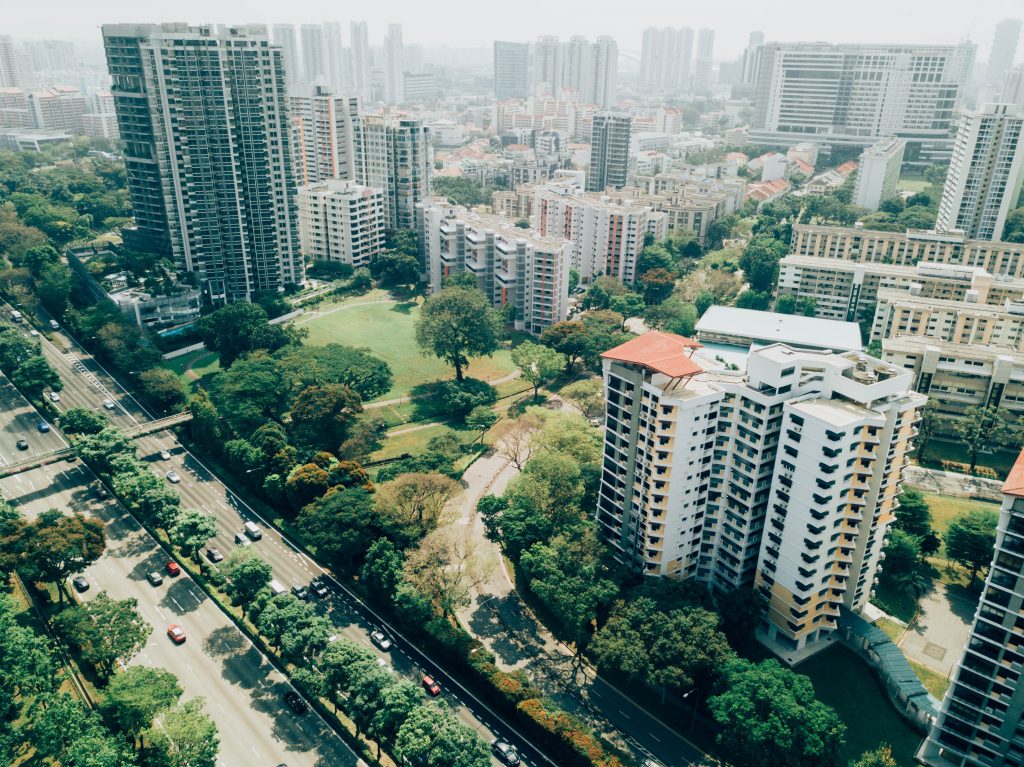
(277, 588)
(253, 530)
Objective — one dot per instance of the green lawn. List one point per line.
(193, 366)
(1000, 461)
(933, 681)
(386, 328)
(849, 685)
(891, 627)
(945, 508)
(913, 184)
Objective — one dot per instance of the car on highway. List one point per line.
(176, 633)
(431, 686)
(173, 569)
(300, 592)
(165, 455)
(54, 325)
(54, 396)
(318, 588)
(80, 583)
(43, 427)
(242, 540)
(154, 578)
(252, 530)
(34, 333)
(22, 444)
(109, 404)
(505, 752)
(173, 477)
(214, 555)
(295, 702)
(380, 639)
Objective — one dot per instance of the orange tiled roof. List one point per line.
(1014, 484)
(662, 352)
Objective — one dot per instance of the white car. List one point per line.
(173, 477)
(109, 404)
(165, 455)
(54, 396)
(34, 333)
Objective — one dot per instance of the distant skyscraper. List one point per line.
(1003, 52)
(704, 61)
(576, 65)
(548, 63)
(666, 58)
(752, 57)
(1013, 88)
(203, 113)
(284, 36)
(327, 135)
(394, 65)
(314, 64)
(609, 151)
(511, 70)
(980, 720)
(11, 69)
(603, 79)
(396, 160)
(51, 56)
(334, 56)
(360, 55)
(985, 173)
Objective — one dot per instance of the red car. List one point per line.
(176, 633)
(431, 686)
(173, 569)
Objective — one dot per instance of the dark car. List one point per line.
(318, 588)
(214, 555)
(22, 444)
(80, 583)
(43, 427)
(505, 752)
(300, 592)
(295, 702)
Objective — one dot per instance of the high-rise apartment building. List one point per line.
(327, 135)
(1013, 88)
(752, 58)
(203, 112)
(14, 109)
(548, 63)
(854, 95)
(59, 108)
(980, 721)
(51, 56)
(704, 61)
(878, 173)
(359, 44)
(576, 68)
(1002, 53)
(784, 473)
(396, 160)
(602, 82)
(334, 58)
(341, 221)
(985, 173)
(511, 70)
(12, 65)
(314, 59)
(513, 267)
(284, 38)
(609, 151)
(666, 59)
(394, 65)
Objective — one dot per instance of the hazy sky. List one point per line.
(475, 23)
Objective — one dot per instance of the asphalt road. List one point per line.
(87, 385)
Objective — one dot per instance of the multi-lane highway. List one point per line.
(87, 385)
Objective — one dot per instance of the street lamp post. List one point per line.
(696, 702)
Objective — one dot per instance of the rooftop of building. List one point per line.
(1014, 484)
(772, 327)
(835, 412)
(662, 352)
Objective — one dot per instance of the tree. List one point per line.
(481, 418)
(515, 442)
(321, 415)
(740, 612)
(246, 576)
(537, 363)
(191, 530)
(461, 280)
(930, 423)
(394, 705)
(913, 515)
(340, 526)
(456, 324)
(394, 268)
(760, 262)
(753, 299)
(431, 737)
(673, 316)
(416, 499)
(628, 304)
(769, 715)
(15, 349)
(893, 205)
(658, 285)
(162, 388)
(587, 395)
(106, 631)
(382, 569)
(445, 568)
(979, 428)
(305, 484)
(239, 328)
(1013, 231)
(902, 553)
(132, 699)
(185, 737)
(64, 730)
(78, 420)
(57, 546)
(568, 339)
(358, 369)
(250, 393)
(970, 540)
(704, 301)
(880, 757)
(34, 375)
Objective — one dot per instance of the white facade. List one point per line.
(603, 80)
(314, 59)
(511, 70)
(284, 36)
(394, 65)
(359, 43)
(341, 221)
(985, 173)
(704, 61)
(327, 132)
(666, 59)
(878, 173)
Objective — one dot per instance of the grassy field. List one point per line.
(933, 681)
(386, 328)
(845, 682)
(912, 184)
(193, 366)
(946, 508)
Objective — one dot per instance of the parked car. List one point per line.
(22, 444)
(173, 569)
(214, 555)
(43, 427)
(173, 477)
(100, 490)
(318, 588)
(380, 639)
(300, 592)
(431, 686)
(295, 702)
(154, 578)
(54, 396)
(80, 583)
(176, 633)
(505, 752)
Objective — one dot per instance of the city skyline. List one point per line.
(804, 21)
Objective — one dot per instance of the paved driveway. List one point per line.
(938, 635)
